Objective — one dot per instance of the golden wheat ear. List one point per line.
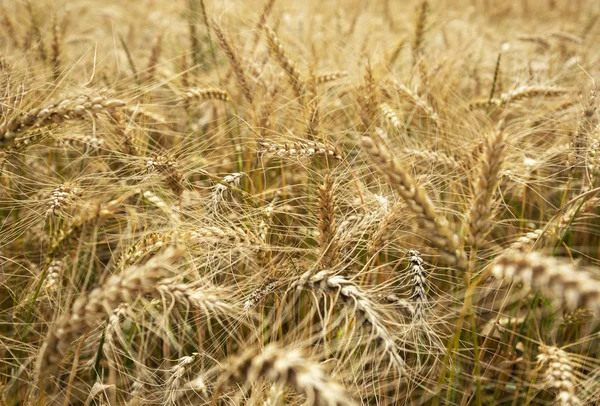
(556, 278)
(436, 227)
(287, 367)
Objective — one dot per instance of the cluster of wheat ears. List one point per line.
(271, 202)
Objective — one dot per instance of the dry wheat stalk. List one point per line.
(560, 374)
(437, 227)
(286, 367)
(556, 278)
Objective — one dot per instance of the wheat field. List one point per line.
(276, 202)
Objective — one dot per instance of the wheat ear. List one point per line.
(327, 225)
(88, 311)
(556, 278)
(560, 374)
(352, 296)
(481, 212)
(437, 227)
(234, 60)
(286, 367)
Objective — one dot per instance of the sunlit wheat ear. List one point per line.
(536, 39)
(234, 60)
(577, 210)
(170, 171)
(54, 275)
(55, 46)
(560, 374)
(556, 278)
(155, 53)
(426, 159)
(287, 367)
(520, 93)
(393, 220)
(260, 24)
(420, 21)
(418, 101)
(481, 212)
(220, 189)
(260, 293)
(299, 150)
(147, 245)
(330, 77)
(88, 143)
(525, 242)
(354, 298)
(579, 316)
(293, 74)
(60, 198)
(193, 297)
(390, 115)
(89, 215)
(201, 94)
(65, 110)
(419, 285)
(368, 98)
(581, 140)
(327, 225)
(436, 227)
(90, 310)
(175, 381)
(566, 36)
